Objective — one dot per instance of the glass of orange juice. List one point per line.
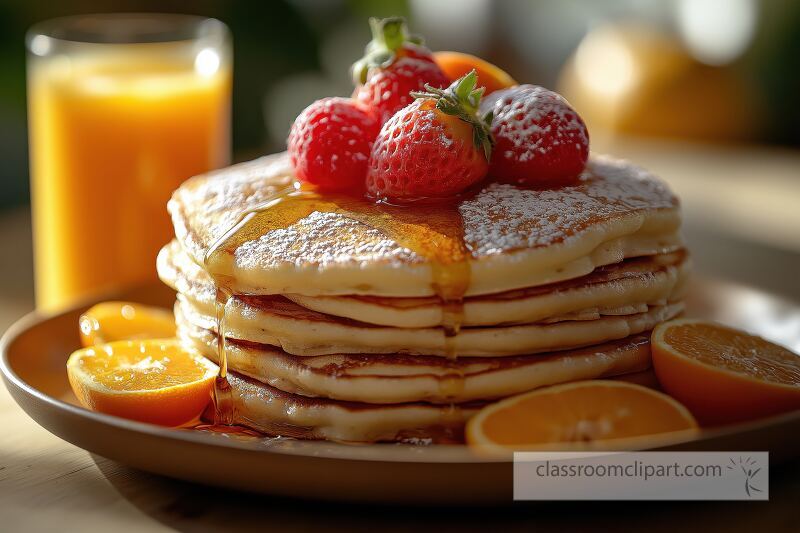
(121, 110)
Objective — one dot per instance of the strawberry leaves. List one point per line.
(388, 36)
(462, 99)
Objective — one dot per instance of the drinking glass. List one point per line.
(121, 110)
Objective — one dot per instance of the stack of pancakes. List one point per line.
(363, 323)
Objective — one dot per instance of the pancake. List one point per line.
(497, 239)
(274, 412)
(398, 378)
(618, 289)
(622, 288)
(280, 322)
(356, 321)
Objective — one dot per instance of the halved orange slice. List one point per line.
(724, 375)
(153, 381)
(457, 64)
(595, 414)
(116, 321)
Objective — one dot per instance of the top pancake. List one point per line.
(503, 237)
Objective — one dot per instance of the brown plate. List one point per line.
(35, 350)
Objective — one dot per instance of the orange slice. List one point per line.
(153, 381)
(456, 64)
(724, 375)
(596, 414)
(116, 321)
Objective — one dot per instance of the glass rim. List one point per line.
(164, 28)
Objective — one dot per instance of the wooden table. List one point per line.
(742, 224)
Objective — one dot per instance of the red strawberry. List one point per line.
(330, 142)
(387, 90)
(394, 64)
(539, 138)
(434, 147)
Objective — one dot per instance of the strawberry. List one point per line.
(540, 139)
(329, 144)
(434, 147)
(394, 64)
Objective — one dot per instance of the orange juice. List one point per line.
(113, 131)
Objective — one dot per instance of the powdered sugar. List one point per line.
(504, 217)
(320, 239)
(499, 219)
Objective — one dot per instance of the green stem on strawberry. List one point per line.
(462, 100)
(388, 35)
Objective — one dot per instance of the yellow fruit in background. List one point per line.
(635, 80)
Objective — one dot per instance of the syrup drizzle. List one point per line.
(224, 407)
(434, 231)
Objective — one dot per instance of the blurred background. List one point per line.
(704, 92)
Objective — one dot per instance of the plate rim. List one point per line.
(459, 453)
